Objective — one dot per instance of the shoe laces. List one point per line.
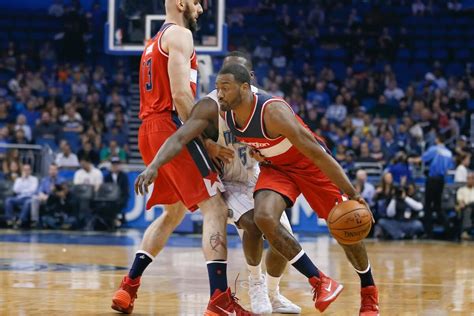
(258, 289)
(240, 311)
(369, 302)
(317, 288)
(130, 289)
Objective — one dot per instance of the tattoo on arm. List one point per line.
(217, 240)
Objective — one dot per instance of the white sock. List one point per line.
(255, 271)
(273, 283)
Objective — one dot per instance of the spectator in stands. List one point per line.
(465, 205)
(88, 150)
(454, 5)
(79, 87)
(337, 112)
(66, 158)
(418, 7)
(4, 140)
(47, 131)
(462, 147)
(56, 9)
(393, 92)
(464, 161)
(354, 145)
(6, 116)
(236, 17)
(88, 174)
(400, 169)
(348, 163)
(377, 152)
(383, 195)
(440, 159)
(364, 155)
(22, 124)
(112, 117)
(24, 187)
(20, 137)
(71, 120)
(113, 150)
(263, 51)
(120, 178)
(400, 222)
(12, 171)
(60, 209)
(31, 113)
(44, 190)
(363, 187)
(320, 98)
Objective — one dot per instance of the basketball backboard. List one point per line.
(131, 23)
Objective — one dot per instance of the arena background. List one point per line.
(397, 68)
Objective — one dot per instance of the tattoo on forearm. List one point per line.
(217, 240)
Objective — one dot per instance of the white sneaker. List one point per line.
(281, 304)
(258, 293)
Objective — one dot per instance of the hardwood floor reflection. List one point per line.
(37, 278)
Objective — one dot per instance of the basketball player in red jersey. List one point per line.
(168, 74)
(297, 162)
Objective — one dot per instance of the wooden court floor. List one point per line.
(68, 273)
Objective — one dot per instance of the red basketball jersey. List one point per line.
(155, 90)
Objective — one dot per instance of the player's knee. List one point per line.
(265, 221)
(247, 223)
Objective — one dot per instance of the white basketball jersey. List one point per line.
(242, 168)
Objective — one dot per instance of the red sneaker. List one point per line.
(325, 291)
(369, 304)
(224, 304)
(126, 294)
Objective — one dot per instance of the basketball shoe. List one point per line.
(369, 305)
(125, 296)
(281, 304)
(325, 291)
(224, 304)
(258, 294)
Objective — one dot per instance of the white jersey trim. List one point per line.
(278, 149)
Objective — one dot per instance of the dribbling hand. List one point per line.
(361, 200)
(144, 179)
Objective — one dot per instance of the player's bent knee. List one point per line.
(264, 220)
(247, 223)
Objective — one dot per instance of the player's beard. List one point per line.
(189, 20)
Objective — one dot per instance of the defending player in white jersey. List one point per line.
(239, 174)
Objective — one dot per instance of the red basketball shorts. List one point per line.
(304, 178)
(190, 177)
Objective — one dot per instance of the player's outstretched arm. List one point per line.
(180, 48)
(205, 112)
(279, 120)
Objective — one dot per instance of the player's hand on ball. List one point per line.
(361, 200)
(218, 152)
(145, 179)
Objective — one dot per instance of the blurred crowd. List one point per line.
(366, 116)
(340, 64)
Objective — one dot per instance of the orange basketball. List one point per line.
(349, 222)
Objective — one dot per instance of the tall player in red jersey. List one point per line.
(297, 163)
(168, 75)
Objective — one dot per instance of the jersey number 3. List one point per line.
(148, 83)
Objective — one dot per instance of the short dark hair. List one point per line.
(240, 73)
(244, 55)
